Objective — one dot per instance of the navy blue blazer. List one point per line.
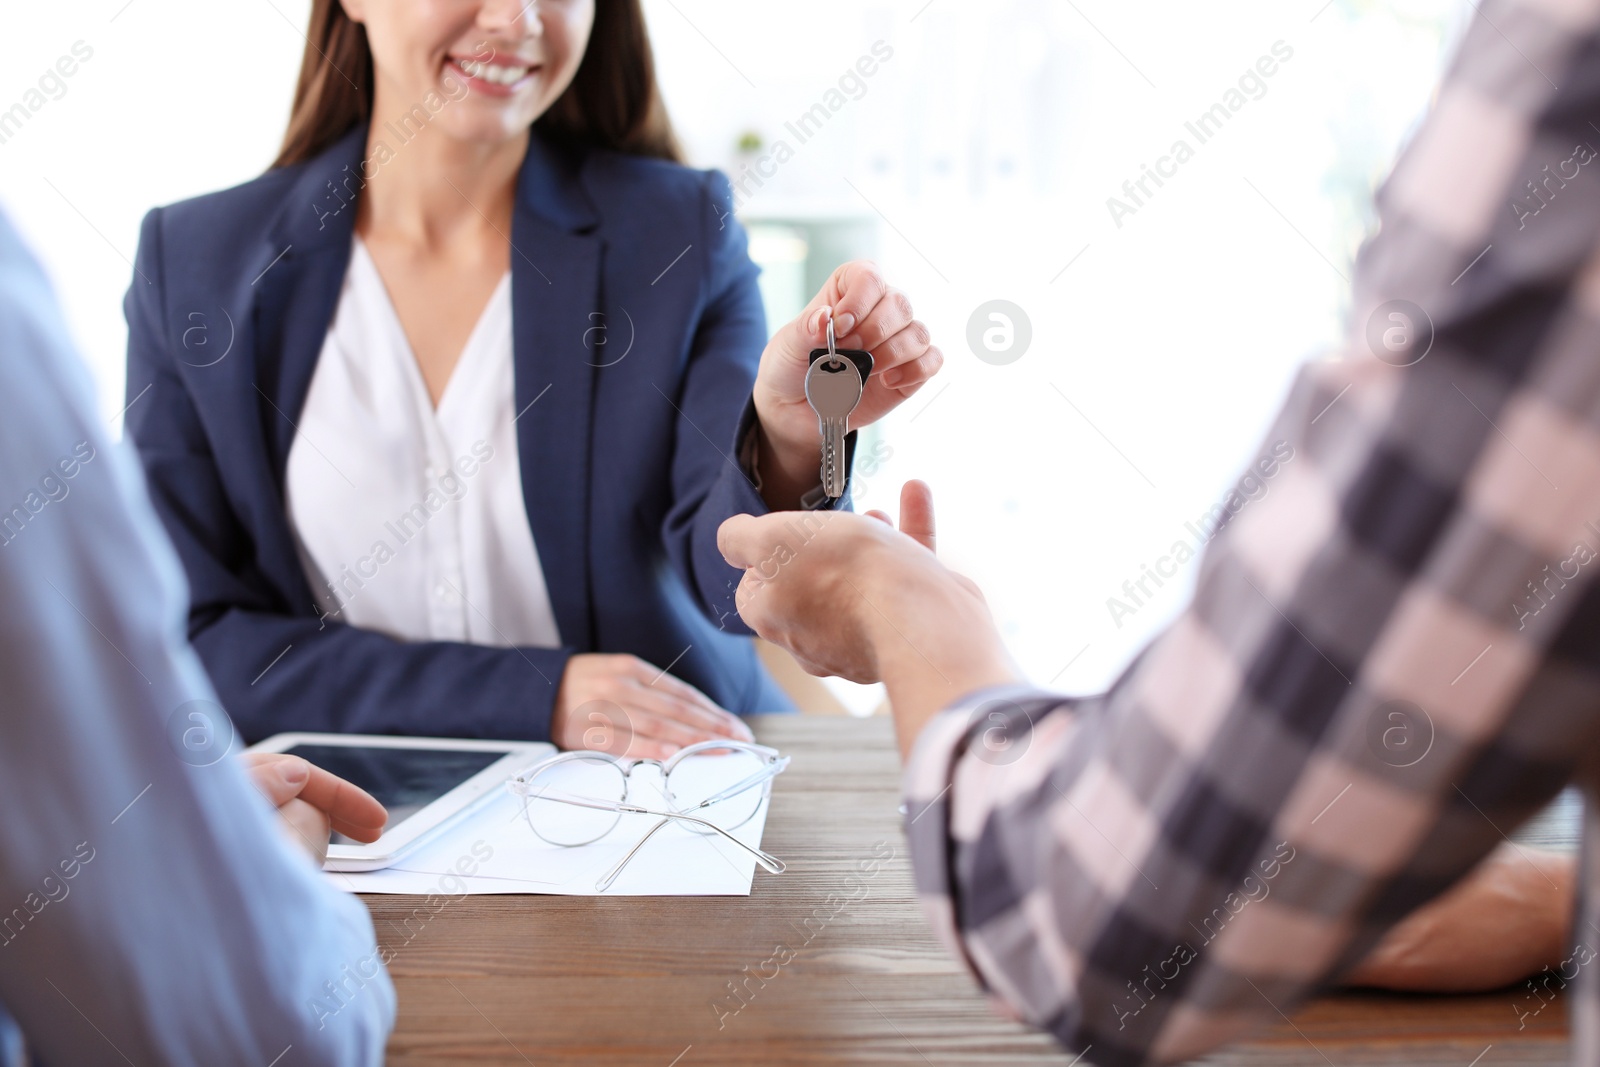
(637, 329)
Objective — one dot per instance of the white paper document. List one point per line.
(493, 850)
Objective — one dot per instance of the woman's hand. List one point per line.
(625, 706)
(1506, 920)
(313, 803)
(867, 314)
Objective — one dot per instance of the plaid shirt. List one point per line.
(1392, 659)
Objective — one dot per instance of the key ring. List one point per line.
(833, 355)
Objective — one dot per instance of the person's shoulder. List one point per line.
(228, 217)
(19, 267)
(43, 383)
(649, 185)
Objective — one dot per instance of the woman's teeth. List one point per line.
(491, 72)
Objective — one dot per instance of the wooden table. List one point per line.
(827, 979)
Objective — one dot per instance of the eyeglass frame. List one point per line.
(775, 765)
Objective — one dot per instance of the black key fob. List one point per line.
(859, 356)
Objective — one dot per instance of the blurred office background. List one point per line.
(974, 163)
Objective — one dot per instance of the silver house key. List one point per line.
(834, 384)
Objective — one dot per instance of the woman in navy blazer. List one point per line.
(651, 404)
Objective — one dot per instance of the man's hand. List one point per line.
(313, 803)
(1508, 919)
(867, 314)
(849, 595)
(622, 705)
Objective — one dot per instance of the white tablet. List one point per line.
(424, 782)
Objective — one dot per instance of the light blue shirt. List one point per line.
(152, 909)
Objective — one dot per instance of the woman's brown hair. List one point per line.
(613, 101)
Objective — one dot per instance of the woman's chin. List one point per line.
(487, 130)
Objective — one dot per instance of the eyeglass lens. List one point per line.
(693, 781)
(700, 777)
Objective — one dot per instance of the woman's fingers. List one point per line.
(701, 708)
(657, 679)
(890, 316)
(810, 330)
(867, 313)
(680, 722)
(911, 375)
(658, 725)
(657, 737)
(855, 290)
(635, 709)
(902, 347)
(641, 746)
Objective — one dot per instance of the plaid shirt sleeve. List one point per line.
(1391, 659)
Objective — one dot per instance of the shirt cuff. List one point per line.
(1010, 710)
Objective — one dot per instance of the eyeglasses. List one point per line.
(709, 788)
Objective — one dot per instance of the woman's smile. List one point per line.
(499, 75)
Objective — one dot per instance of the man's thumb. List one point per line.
(916, 514)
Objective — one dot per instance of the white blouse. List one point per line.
(410, 520)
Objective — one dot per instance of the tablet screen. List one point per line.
(404, 780)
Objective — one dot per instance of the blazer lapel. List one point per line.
(291, 289)
(297, 291)
(556, 292)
